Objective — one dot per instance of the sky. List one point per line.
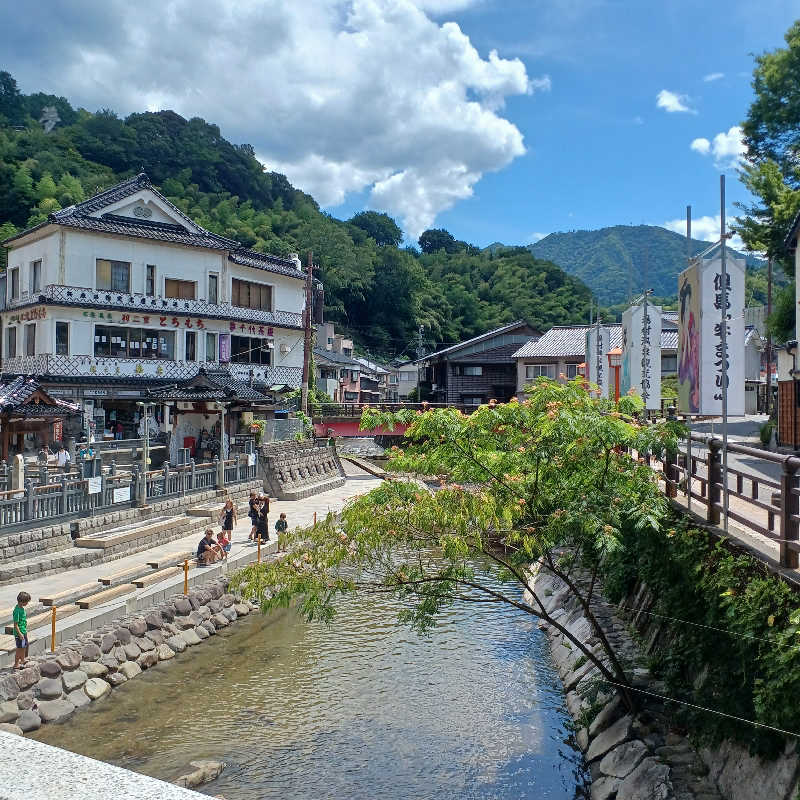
(499, 120)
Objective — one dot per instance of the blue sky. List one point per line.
(500, 120)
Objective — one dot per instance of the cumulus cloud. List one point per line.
(341, 95)
(713, 76)
(706, 229)
(726, 148)
(673, 102)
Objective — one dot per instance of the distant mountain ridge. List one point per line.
(609, 259)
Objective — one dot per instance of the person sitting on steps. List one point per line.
(207, 549)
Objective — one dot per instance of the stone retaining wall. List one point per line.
(88, 668)
(296, 470)
(49, 539)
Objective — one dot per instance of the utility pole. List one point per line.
(723, 237)
(688, 419)
(307, 338)
(420, 354)
(769, 338)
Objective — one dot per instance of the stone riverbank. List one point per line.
(89, 667)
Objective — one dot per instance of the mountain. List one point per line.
(618, 261)
(377, 292)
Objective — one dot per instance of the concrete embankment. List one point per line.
(637, 755)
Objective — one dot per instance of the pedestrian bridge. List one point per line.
(343, 419)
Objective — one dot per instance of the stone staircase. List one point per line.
(296, 470)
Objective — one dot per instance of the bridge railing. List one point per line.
(322, 410)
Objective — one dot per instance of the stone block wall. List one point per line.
(41, 540)
(299, 469)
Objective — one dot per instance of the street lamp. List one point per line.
(615, 362)
(145, 448)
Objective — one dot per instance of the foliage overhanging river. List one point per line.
(363, 708)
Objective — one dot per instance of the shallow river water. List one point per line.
(360, 709)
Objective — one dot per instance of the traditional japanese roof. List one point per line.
(565, 341)
(24, 397)
(208, 387)
(503, 329)
(496, 355)
(252, 258)
(336, 358)
(669, 339)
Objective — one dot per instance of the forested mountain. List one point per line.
(608, 259)
(374, 289)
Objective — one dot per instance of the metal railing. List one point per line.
(321, 410)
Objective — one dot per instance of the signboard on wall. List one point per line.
(95, 484)
(122, 494)
(641, 353)
(701, 353)
(58, 431)
(597, 347)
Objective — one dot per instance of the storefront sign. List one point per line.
(168, 321)
(58, 431)
(29, 315)
(95, 392)
(122, 494)
(95, 484)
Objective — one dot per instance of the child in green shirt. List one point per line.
(281, 526)
(21, 630)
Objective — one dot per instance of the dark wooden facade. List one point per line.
(788, 414)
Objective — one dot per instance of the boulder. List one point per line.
(649, 781)
(95, 669)
(8, 727)
(182, 606)
(130, 669)
(154, 621)
(119, 653)
(608, 714)
(209, 626)
(167, 612)
(241, 609)
(68, 659)
(604, 788)
(201, 632)
(109, 662)
(229, 614)
(54, 710)
(196, 618)
(155, 636)
(132, 651)
(228, 600)
(170, 629)
(190, 637)
(91, 652)
(49, 688)
(96, 688)
(137, 627)
(204, 772)
(177, 643)
(215, 606)
(108, 642)
(29, 721)
(50, 669)
(220, 620)
(616, 734)
(623, 759)
(215, 590)
(144, 644)
(9, 711)
(78, 698)
(123, 635)
(27, 677)
(204, 595)
(194, 599)
(25, 700)
(116, 678)
(147, 660)
(165, 652)
(9, 688)
(182, 623)
(205, 613)
(73, 680)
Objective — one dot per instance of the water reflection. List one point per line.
(363, 708)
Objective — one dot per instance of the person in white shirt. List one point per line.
(62, 458)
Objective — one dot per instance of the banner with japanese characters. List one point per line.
(641, 353)
(597, 347)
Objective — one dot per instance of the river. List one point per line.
(363, 708)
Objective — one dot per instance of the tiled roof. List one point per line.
(17, 392)
(208, 387)
(669, 340)
(252, 258)
(336, 358)
(15, 395)
(497, 355)
(475, 339)
(565, 341)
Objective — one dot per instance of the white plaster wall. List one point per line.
(45, 248)
(288, 294)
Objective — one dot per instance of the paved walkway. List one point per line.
(298, 513)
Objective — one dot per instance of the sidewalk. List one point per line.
(298, 513)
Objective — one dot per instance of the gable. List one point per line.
(147, 205)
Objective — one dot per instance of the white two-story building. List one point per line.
(124, 293)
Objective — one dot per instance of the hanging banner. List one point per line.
(597, 347)
(58, 431)
(641, 353)
(701, 353)
(224, 348)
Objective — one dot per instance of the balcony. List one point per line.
(130, 369)
(143, 304)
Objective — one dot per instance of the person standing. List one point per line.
(281, 526)
(228, 518)
(262, 532)
(63, 458)
(253, 514)
(21, 630)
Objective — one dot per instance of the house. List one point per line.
(338, 375)
(477, 370)
(407, 379)
(124, 292)
(386, 379)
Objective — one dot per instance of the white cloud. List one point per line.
(340, 95)
(713, 76)
(706, 229)
(673, 102)
(638, 120)
(535, 237)
(726, 148)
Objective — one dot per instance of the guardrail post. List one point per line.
(714, 481)
(790, 508)
(43, 480)
(101, 501)
(28, 499)
(166, 478)
(113, 467)
(192, 477)
(219, 465)
(63, 500)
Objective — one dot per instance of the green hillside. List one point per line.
(374, 289)
(608, 259)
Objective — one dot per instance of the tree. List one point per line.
(12, 107)
(381, 227)
(437, 239)
(540, 485)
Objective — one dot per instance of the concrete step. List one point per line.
(112, 537)
(45, 563)
(70, 595)
(170, 559)
(125, 575)
(38, 620)
(213, 511)
(108, 594)
(157, 577)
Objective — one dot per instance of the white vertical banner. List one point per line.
(597, 347)
(641, 353)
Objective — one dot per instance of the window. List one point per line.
(36, 276)
(572, 371)
(351, 397)
(211, 347)
(180, 290)
(30, 339)
(11, 342)
(247, 350)
(669, 364)
(14, 284)
(150, 280)
(62, 338)
(330, 340)
(407, 376)
(191, 346)
(393, 379)
(117, 342)
(113, 276)
(342, 373)
(353, 375)
(472, 399)
(213, 288)
(251, 295)
(348, 351)
(533, 371)
(462, 369)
